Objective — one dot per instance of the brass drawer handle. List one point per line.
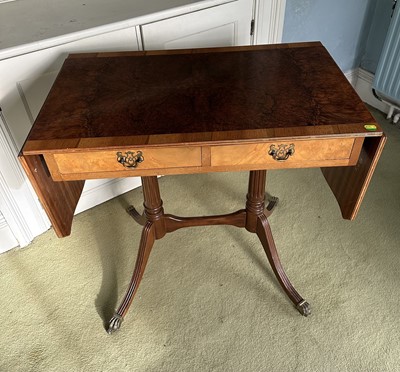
(131, 159)
(282, 153)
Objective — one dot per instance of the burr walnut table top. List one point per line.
(197, 95)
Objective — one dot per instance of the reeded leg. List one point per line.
(146, 243)
(265, 235)
(139, 218)
(272, 203)
(154, 228)
(256, 221)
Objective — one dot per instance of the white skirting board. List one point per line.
(364, 89)
(352, 76)
(99, 191)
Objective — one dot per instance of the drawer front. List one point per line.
(281, 154)
(118, 161)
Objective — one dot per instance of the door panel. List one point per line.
(223, 25)
(217, 36)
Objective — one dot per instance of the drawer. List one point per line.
(101, 164)
(288, 154)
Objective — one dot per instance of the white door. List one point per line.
(224, 25)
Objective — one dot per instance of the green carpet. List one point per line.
(208, 300)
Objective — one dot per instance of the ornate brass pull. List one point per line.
(131, 159)
(282, 152)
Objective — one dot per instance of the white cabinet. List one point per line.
(24, 84)
(224, 25)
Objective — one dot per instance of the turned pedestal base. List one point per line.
(156, 224)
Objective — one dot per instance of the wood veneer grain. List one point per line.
(306, 153)
(59, 199)
(201, 99)
(106, 161)
(349, 184)
(180, 96)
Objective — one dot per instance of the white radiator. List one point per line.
(386, 84)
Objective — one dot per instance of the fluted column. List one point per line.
(255, 203)
(153, 208)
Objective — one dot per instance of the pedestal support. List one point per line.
(157, 224)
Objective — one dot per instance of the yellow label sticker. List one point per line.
(370, 127)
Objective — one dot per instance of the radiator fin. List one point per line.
(387, 76)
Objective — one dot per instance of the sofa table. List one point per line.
(196, 111)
